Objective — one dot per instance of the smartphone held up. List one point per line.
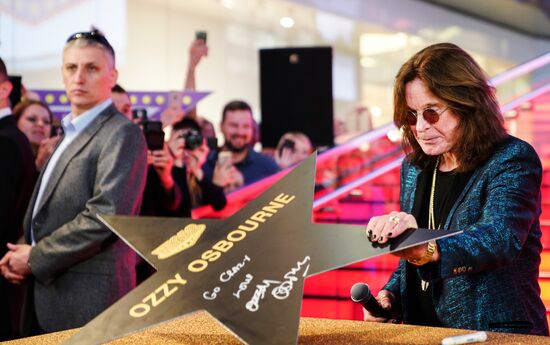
(224, 157)
(201, 35)
(152, 130)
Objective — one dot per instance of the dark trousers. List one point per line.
(29, 325)
(11, 297)
(6, 328)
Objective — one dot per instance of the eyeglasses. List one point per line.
(93, 36)
(430, 115)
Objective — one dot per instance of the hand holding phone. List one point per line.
(139, 114)
(288, 144)
(285, 155)
(173, 111)
(175, 99)
(154, 135)
(223, 171)
(201, 35)
(224, 158)
(198, 48)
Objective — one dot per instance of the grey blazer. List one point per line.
(79, 266)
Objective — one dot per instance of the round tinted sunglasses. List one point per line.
(430, 115)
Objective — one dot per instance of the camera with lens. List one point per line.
(287, 144)
(193, 139)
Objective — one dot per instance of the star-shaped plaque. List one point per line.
(247, 271)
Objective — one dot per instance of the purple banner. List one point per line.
(154, 101)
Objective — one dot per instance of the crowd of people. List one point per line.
(61, 267)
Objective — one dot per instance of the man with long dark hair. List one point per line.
(463, 172)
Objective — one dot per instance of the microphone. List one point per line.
(360, 293)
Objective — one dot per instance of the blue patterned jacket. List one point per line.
(488, 275)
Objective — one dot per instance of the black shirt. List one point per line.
(177, 202)
(449, 185)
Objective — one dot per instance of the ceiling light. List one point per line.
(287, 22)
(228, 3)
(368, 62)
(373, 44)
(376, 111)
(394, 135)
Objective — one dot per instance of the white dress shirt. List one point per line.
(4, 112)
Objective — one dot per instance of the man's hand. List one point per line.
(286, 158)
(195, 159)
(237, 179)
(172, 114)
(45, 150)
(163, 162)
(225, 174)
(15, 264)
(418, 252)
(382, 228)
(386, 300)
(197, 50)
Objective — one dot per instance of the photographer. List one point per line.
(293, 147)
(175, 181)
(189, 150)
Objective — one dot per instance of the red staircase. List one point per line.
(532, 124)
(327, 295)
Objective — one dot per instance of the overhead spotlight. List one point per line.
(526, 106)
(287, 22)
(394, 135)
(368, 62)
(376, 111)
(511, 114)
(364, 147)
(228, 3)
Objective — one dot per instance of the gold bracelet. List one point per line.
(432, 246)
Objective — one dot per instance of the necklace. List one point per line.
(431, 212)
(431, 216)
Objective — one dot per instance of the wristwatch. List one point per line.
(432, 246)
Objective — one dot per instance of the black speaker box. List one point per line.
(296, 94)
